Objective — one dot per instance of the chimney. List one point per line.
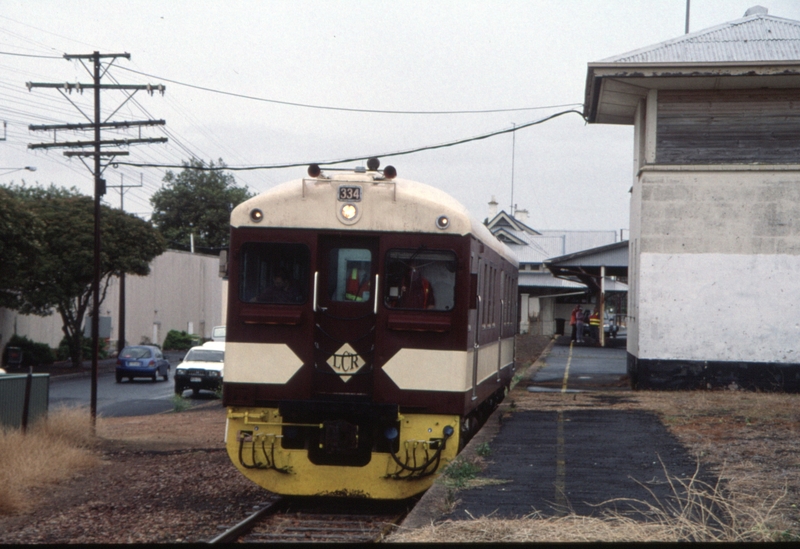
(756, 10)
(492, 207)
(521, 215)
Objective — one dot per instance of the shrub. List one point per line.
(86, 346)
(180, 341)
(33, 354)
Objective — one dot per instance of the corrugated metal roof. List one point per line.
(615, 255)
(757, 37)
(576, 241)
(537, 248)
(546, 280)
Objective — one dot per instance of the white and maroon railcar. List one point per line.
(370, 330)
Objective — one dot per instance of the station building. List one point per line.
(714, 248)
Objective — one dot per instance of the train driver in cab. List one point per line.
(282, 290)
(416, 291)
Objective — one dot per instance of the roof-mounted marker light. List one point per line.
(256, 215)
(373, 164)
(314, 170)
(389, 172)
(443, 222)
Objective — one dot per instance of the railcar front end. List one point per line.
(370, 330)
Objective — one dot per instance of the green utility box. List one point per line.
(12, 399)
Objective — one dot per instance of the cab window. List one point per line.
(420, 279)
(274, 273)
(349, 274)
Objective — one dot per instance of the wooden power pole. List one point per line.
(95, 149)
(121, 321)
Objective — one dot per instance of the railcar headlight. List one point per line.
(212, 373)
(256, 215)
(349, 211)
(390, 433)
(443, 222)
(180, 372)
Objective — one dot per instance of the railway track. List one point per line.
(318, 520)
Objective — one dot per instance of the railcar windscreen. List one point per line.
(420, 279)
(274, 273)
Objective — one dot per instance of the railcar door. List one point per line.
(344, 304)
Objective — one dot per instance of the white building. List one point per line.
(183, 292)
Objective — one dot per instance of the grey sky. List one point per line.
(405, 56)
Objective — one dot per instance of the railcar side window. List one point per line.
(349, 271)
(274, 273)
(420, 279)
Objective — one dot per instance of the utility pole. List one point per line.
(121, 323)
(513, 157)
(96, 72)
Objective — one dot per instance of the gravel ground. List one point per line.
(163, 479)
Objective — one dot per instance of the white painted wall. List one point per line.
(723, 307)
(182, 288)
(715, 264)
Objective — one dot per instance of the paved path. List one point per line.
(575, 367)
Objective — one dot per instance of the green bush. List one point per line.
(62, 353)
(33, 354)
(180, 341)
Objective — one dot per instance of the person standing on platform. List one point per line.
(594, 325)
(573, 318)
(579, 325)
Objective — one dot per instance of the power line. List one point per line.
(344, 109)
(355, 158)
(31, 55)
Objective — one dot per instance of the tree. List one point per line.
(21, 235)
(197, 201)
(62, 277)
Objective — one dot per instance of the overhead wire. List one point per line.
(361, 157)
(344, 109)
(182, 145)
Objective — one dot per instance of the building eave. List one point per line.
(614, 89)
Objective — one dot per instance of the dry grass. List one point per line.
(696, 511)
(53, 449)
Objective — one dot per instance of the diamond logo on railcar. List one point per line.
(346, 361)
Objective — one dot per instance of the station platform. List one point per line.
(552, 453)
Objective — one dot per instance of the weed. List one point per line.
(180, 404)
(483, 450)
(460, 472)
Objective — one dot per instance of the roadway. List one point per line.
(130, 398)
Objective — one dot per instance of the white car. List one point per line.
(201, 369)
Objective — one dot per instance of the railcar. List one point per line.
(370, 331)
